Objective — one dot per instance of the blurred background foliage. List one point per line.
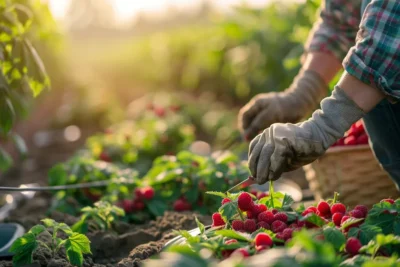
(210, 61)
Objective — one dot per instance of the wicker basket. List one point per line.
(354, 173)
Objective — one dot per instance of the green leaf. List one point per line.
(7, 115)
(335, 237)
(58, 175)
(228, 210)
(23, 248)
(79, 241)
(5, 160)
(314, 219)
(20, 144)
(350, 222)
(49, 222)
(365, 232)
(80, 226)
(233, 234)
(157, 207)
(37, 229)
(74, 255)
(200, 225)
(65, 228)
(215, 193)
(287, 201)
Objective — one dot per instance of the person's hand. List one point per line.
(293, 104)
(285, 147)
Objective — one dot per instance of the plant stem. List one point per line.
(335, 197)
(271, 192)
(240, 214)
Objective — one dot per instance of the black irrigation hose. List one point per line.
(60, 187)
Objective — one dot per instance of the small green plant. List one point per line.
(75, 244)
(99, 217)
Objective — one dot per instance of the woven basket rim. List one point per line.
(339, 149)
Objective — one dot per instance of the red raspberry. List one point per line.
(160, 112)
(147, 192)
(267, 217)
(293, 226)
(337, 218)
(357, 214)
(254, 192)
(105, 157)
(138, 193)
(242, 252)
(238, 225)
(225, 200)
(230, 241)
(245, 202)
(127, 205)
(217, 219)
(301, 224)
(261, 195)
(353, 245)
(280, 236)
(362, 139)
(250, 225)
(278, 226)
(275, 211)
(250, 215)
(263, 239)
(350, 140)
(287, 233)
(344, 218)
(280, 216)
(357, 128)
(324, 208)
(138, 205)
(181, 205)
(388, 200)
(338, 207)
(263, 225)
(257, 209)
(309, 210)
(363, 209)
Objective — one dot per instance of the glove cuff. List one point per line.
(338, 112)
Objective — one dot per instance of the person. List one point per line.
(365, 36)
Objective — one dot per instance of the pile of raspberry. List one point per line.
(355, 136)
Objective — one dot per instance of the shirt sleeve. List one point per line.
(336, 29)
(375, 58)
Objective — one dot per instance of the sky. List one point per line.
(127, 9)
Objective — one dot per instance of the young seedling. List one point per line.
(75, 244)
(99, 217)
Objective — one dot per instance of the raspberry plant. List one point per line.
(99, 217)
(75, 244)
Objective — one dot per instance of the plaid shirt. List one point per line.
(369, 45)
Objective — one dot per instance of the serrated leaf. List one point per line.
(74, 255)
(57, 175)
(23, 248)
(335, 237)
(350, 222)
(233, 234)
(200, 225)
(80, 226)
(37, 229)
(49, 222)
(228, 210)
(65, 228)
(364, 233)
(314, 219)
(157, 207)
(287, 201)
(215, 193)
(79, 241)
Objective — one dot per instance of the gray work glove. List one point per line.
(291, 105)
(286, 147)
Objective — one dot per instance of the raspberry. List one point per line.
(362, 139)
(338, 207)
(217, 219)
(278, 226)
(353, 245)
(257, 209)
(138, 193)
(225, 200)
(287, 233)
(245, 202)
(250, 225)
(337, 218)
(147, 192)
(275, 211)
(230, 241)
(350, 140)
(280, 216)
(263, 239)
(293, 226)
(181, 205)
(280, 236)
(263, 225)
(267, 217)
(127, 205)
(309, 210)
(323, 208)
(238, 225)
(138, 205)
(250, 215)
(344, 218)
(388, 200)
(363, 209)
(261, 195)
(160, 112)
(357, 214)
(242, 252)
(301, 224)
(105, 157)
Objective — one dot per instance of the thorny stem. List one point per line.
(271, 192)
